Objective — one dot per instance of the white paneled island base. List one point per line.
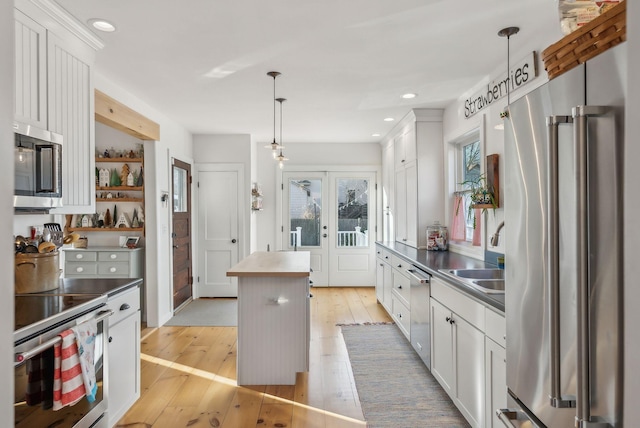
(273, 317)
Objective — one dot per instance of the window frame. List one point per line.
(456, 163)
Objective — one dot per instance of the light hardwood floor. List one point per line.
(188, 376)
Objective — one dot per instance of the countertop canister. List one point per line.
(437, 237)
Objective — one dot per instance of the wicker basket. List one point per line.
(593, 38)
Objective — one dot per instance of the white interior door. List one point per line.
(331, 214)
(218, 230)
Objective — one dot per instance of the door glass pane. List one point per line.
(179, 190)
(305, 212)
(353, 212)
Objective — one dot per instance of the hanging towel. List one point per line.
(68, 386)
(35, 376)
(86, 341)
(40, 379)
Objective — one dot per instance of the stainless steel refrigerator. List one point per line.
(563, 248)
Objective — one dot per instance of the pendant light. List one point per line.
(280, 158)
(274, 146)
(508, 32)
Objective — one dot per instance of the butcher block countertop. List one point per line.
(291, 264)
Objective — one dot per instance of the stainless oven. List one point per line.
(39, 321)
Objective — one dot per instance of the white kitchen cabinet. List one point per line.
(400, 196)
(405, 147)
(418, 188)
(30, 102)
(458, 349)
(123, 386)
(104, 262)
(495, 367)
(384, 278)
(496, 382)
(388, 203)
(70, 113)
(442, 347)
(54, 91)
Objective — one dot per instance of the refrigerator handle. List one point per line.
(583, 380)
(556, 398)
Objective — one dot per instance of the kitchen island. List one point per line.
(273, 317)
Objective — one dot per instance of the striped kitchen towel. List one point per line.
(86, 341)
(68, 385)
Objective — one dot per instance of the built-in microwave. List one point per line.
(38, 169)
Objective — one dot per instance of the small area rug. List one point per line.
(395, 387)
(219, 312)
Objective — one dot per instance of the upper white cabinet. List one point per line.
(418, 189)
(70, 106)
(54, 57)
(30, 99)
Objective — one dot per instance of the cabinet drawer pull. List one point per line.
(79, 269)
(124, 307)
(79, 256)
(399, 287)
(448, 319)
(113, 256)
(112, 269)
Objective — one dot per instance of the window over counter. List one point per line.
(467, 173)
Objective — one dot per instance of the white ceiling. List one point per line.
(344, 63)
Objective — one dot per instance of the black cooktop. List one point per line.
(35, 313)
(74, 297)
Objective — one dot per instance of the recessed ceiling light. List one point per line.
(388, 119)
(409, 96)
(102, 25)
(375, 135)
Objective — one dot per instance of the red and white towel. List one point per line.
(68, 385)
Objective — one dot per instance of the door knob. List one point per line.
(175, 246)
(324, 227)
(233, 241)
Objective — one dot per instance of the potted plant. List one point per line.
(481, 194)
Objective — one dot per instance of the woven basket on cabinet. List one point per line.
(593, 38)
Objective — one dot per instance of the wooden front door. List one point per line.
(181, 203)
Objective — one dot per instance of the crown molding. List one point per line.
(69, 22)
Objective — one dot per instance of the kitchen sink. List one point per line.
(489, 285)
(490, 280)
(477, 273)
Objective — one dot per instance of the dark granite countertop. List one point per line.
(433, 261)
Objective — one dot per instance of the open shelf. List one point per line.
(120, 160)
(114, 200)
(130, 188)
(106, 229)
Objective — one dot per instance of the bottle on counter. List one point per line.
(437, 237)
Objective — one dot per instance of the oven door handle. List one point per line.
(23, 356)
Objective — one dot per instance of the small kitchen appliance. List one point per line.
(38, 169)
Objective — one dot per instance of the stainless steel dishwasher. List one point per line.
(420, 319)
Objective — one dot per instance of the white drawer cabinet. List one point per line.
(123, 353)
(104, 262)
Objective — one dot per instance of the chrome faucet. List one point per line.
(495, 238)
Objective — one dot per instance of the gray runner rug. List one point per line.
(218, 312)
(395, 387)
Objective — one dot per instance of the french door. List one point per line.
(332, 215)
